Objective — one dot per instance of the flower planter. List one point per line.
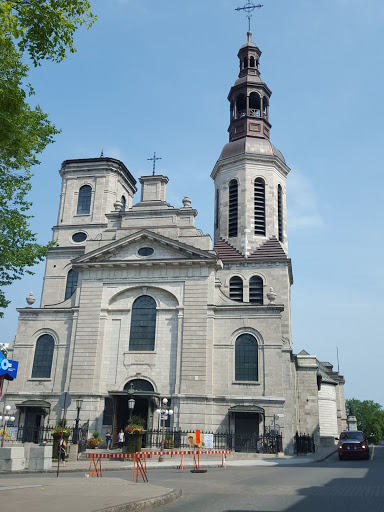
(134, 442)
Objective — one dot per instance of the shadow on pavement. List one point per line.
(354, 493)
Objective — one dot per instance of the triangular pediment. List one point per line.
(130, 250)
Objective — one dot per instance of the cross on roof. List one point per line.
(249, 7)
(154, 158)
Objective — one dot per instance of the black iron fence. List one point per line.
(304, 443)
(269, 442)
(43, 435)
(31, 434)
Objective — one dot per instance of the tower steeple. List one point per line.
(250, 175)
(249, 97)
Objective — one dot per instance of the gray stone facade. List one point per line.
(153, 249)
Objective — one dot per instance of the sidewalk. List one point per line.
(44, 492)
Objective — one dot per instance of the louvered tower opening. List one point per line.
(217, 209)
(280, 211)
(256, 295)
(259, 207)
(233, 208)
(236, 288)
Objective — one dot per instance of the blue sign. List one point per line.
(8, 367)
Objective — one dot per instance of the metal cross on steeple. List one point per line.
(249, 7)
(154, 158)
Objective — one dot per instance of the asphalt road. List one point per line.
(329, 486)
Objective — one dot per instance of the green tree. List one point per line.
(370, 418)
(43, 30)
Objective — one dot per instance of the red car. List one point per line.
(353, 443)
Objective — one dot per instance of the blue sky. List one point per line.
(154, 76)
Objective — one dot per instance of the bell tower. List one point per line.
(249, 97)
(250, 175)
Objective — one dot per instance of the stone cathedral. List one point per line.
(137, 301)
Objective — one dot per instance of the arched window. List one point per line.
(139, 385)
(256, 290)
(265, 108)
(252, 62)
(123, 203)
(42, 362)
(143, 324)
(241, 106)
(254, 104)
(246, 358)
(280, 211)
(217, 209)
(236, 288)
(84, 201)
(233, 207)
(259, 207)
(245, 62)
(72, 277)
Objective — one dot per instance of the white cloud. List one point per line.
(303, 210)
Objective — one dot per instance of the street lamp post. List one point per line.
(131, 402)
(5, 418)
(79, 403)
(131, 406)
(164, 411)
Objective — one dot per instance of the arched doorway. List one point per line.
(145, 402)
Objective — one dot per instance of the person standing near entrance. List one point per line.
(108, 438)
(62, 451)
(121, 438)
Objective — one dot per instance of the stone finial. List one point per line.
(187, 202)
(117, 205)
(271, 296)
(30, 300)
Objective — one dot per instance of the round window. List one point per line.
(79, 237)
(145, 251)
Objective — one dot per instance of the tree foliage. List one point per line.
(44, 29)
(370, 417)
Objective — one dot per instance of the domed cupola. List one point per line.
(249, 97)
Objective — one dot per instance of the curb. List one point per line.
(82, 470)
(164, 499)
(327, 456)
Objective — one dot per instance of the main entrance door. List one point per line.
(142, 409)
(145, 402)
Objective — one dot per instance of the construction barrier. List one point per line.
(96, 461)
(140, 466)
(139, 460)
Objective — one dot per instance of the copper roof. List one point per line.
(226, 252)
(269, 250)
